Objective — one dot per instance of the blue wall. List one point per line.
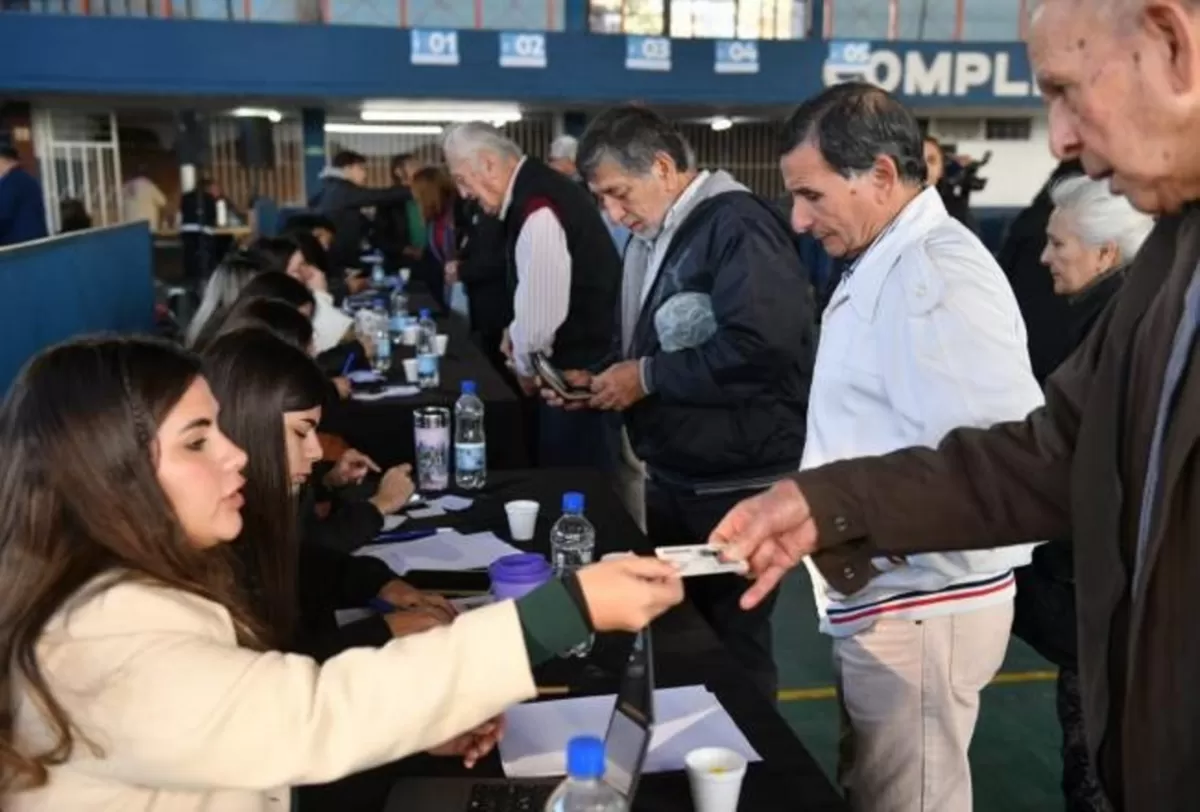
(84, 282)
(177, 59)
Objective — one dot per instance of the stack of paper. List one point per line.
(535, 741)
(442, 551)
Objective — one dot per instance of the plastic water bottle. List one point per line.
(470, 445)
(399, 310)
(584, 789)
(572, 544)
(381, 338)
(378, 277)
(427, 356)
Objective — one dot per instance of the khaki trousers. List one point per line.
(909, 694)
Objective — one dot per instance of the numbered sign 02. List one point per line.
(433, 47)
(735, 56)
(647, 53)
(524, 49)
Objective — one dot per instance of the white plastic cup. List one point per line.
(410, 370)
(443, 341)
(522, 518)
(405, 275)
(715, 775)
(409, 336)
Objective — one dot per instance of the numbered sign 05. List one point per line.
(735, 56)
(433, 47)
(525, 49)
(647, 53)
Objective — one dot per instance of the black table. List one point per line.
(687, 652)
(383, 429)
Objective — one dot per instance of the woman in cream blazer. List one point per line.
(138, 682)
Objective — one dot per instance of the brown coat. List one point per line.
(1075, 468)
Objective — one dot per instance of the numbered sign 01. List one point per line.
(432, 47)
(524, 49)
(647, 53)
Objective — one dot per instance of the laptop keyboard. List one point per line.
(509, 797)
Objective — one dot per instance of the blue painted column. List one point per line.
(313, 126)
(817, 31)
(575, 15)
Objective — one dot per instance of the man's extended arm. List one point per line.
(979, 488)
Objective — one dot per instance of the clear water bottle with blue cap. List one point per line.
(470, 444)
(381, 338)
(427, 355)
(399, 310)
(584, 789)
(572, 545)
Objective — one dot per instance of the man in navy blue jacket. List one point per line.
(22, 210)
(714, 350)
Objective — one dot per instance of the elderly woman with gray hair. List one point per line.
(1091, 238)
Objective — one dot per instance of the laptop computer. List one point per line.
(625, 746)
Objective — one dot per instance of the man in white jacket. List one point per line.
(921, 335)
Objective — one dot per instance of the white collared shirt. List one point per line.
(543, 294)
(922, 337)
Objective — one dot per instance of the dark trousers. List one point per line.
(583, 439)
(676, 515)
(1044, 617)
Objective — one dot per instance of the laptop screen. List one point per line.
(632, 722)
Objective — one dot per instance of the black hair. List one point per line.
(9, 152)
(348, 157)
(400, 160)
(279, 286)
(307, 222)
(310, 247)
(279, 318)
(634, 137)
(257, 378)
(273, 253)
(852, 124)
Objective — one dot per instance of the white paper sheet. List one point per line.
(536, 735)
(395, 391)
(453, 503)
(345, 616)
(390, 523)
(432, 511)
(443, 551)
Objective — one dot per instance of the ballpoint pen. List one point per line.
(346, 366)
(411, 535)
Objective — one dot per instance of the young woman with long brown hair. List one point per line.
(139, 677)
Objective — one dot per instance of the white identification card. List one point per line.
(700, 559)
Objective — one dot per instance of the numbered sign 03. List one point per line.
(647, 53)
(434, 47)
(524, 49)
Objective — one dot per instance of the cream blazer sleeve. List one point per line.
(330, 325)
(153, 678)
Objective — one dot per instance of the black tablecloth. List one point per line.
(686, 653)
(383, 429)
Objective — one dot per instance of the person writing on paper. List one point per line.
(139, 673)
(352, 522)
(271, 395)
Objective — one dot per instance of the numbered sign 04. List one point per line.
(434, 47)
(735, 56)
(524, 49)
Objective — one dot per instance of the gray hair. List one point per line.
(223, 288)
(1100, 217)
(632, 137)
(464, 142)
(563, 148)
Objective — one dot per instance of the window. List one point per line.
(1008, 129)
(685, 19)
(626, 17)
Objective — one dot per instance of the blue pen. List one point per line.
(412, 535)
(381, 606)
(346, 366)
